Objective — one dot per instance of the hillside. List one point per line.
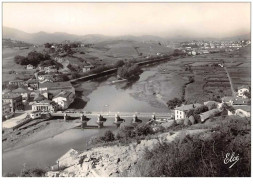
(166, 154)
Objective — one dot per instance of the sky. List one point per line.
(115, 19)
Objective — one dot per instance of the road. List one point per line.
(12, 122)
(230, 81)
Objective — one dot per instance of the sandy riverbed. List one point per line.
(17, 139)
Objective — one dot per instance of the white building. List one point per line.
(241, 91)
(180, 112)
(88, 68)
(64, 99)
(29, 67)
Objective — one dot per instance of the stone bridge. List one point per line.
(119, 117)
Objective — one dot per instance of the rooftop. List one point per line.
(20, 90)
(64, 94)
(10, 96)
(188, 107)
(56, 85)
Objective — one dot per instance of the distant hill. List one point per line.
(44, 37)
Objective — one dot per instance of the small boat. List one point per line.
(118, 81)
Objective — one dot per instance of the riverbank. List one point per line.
(41, 131)
(112, 161)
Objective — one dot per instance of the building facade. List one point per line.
(6, 110)
(14, 100)
(44, 106)
(180, 112)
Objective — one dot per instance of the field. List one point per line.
(99, 54)
(8, 55)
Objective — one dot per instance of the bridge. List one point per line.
(118, 117)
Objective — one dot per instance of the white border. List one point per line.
(141, 186)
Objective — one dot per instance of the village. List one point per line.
(49, 90)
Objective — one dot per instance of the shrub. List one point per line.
(35, 172)
(179, 158)
(108, 136)
(143, 130)
(174, 103)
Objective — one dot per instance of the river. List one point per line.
(111, 97)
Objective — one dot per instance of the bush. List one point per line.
(36, 172)
(179, 158)
(108, 136)
(174, 103)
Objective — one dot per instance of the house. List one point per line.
(44, 106)
(64, 99)
(228, 100)
(33, 84)
(4, 91)
(209, 114)
(29, 67)
(23, 92)
(88, 68)
(193, 53)
(50, 69)
(56, 87)
(241, 91)
(241, 101)
(48, 77)
(243, 111)
(7, 110)
(235, 101)
(180, 112)
(17, 82)
(14, 100)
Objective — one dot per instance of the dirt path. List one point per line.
(230, 81)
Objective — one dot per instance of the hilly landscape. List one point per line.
(57, 37)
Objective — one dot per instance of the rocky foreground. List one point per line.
(110, 161)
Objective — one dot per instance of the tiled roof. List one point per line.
(188, 107)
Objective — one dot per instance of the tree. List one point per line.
(174, 103)
(47, 45)
(21, 60)
(129, 71)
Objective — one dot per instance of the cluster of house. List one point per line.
(205, 47)
(238, 105)
(42, 97)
